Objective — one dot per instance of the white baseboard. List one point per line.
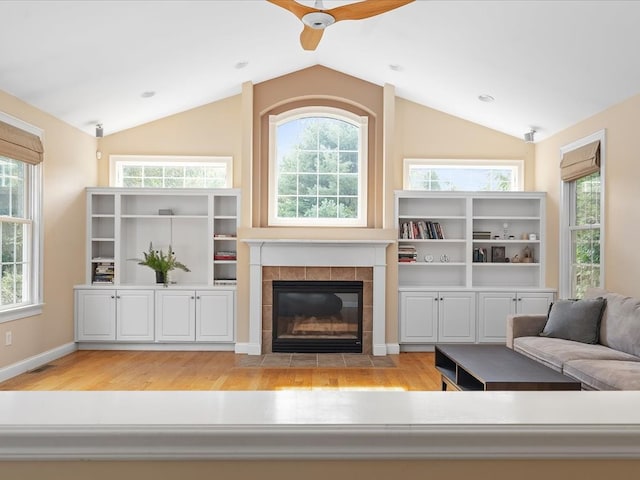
(36, 361)
(393, 348)
(417, 347)
(248, 348)
(159, 347)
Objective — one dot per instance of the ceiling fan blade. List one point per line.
(310, 37)
(294, 7)
(365, 9)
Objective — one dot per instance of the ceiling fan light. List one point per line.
(318, 20)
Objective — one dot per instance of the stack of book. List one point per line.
(407, 253)
(224, 255)
(103, 272)
(421, 229)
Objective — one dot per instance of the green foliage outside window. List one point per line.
(12, 204)
(585, 237)
(318, 174)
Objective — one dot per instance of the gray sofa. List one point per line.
(613, 363)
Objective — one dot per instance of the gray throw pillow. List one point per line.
(577, 320)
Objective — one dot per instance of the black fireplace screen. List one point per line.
(317, 316)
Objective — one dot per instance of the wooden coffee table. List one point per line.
(495, 367)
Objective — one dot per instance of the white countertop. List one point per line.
(318, 425)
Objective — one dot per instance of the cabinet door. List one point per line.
(494, 307)
(532, 303)
(175, 315)
(95, 315)
(214, 316)
(418, 317)
(134, 315)
(457, 317)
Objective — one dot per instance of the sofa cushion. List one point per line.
(555, 352)
(605, 374)
(577, 320)
(620, 325)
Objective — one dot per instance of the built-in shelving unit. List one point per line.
(483, 242)
(121, 301)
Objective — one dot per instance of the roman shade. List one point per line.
(20, 145)
(580, 162)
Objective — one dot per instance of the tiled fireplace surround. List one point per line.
(277, 259)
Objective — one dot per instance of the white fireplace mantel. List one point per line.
(315, 253)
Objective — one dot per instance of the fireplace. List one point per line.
(310, 259)
(317, 316)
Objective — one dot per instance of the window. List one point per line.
(317, 168)
(581, 217)
(463, 175)
(20, 226)
(170, 171)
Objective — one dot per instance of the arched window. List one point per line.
(318, 168)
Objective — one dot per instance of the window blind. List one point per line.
(20, 145)
(580, 162)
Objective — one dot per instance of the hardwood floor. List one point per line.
(138, 370)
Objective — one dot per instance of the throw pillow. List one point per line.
(577, 320)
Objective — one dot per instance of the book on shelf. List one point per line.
(225, 281)
(421, 230)
(224, 255)
(223, 235)
(407, 253)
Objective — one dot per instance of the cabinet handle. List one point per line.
(117, 296)
(513, 299)
(192, 297)
(198, 297)
(519, 299)
(113, 296)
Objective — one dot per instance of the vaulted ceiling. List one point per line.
(547, 64)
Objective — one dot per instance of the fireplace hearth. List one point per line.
(317, 316)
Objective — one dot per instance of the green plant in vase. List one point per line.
(162, 263)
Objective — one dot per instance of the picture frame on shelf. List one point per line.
(498, 254)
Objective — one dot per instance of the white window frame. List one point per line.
(518, 165)
(115, 161)
(362, 122)
(35, 282)
(567, 195)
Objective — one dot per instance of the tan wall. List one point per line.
(213, 129)
(622, 192)
(69, 166)
(319, 470)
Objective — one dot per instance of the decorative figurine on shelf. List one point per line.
(505, 230)
(526, 255)
(515, 259)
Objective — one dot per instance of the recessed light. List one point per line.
(240, 65)
(395, 67)
(486, 98)
(148, 94)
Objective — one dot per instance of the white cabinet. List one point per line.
(419, 317)
(494, 307)
(428, 317)
(175, 315)
(95, 315)
(215, 313)
(115, 315)
(195, 315)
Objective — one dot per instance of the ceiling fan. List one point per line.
(316, 19)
